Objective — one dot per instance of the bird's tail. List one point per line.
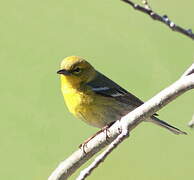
(163, 124)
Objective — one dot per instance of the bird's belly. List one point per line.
(92, 116)
(97, 112)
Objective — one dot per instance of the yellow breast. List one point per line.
(93, 109)
(86, 106)
(76, 101)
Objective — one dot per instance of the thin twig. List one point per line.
(163, 19)
(191, 123)
(146, 4)
(189, 71)
(78, 158)
(99, 159)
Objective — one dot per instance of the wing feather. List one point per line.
(106, 87)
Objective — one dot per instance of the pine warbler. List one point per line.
(96, 99)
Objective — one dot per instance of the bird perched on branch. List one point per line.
(95, 98)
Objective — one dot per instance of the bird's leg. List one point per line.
(105, 128)
(119, 129)
(84, 144)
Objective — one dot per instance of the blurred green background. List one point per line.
(144, 56)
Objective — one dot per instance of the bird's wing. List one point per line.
(106, 87)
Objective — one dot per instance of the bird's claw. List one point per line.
(119, 130)
(83, 146)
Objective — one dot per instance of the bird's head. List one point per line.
(75, 71)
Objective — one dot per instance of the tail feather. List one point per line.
(163, 124)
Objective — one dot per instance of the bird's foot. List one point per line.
(84, 144)
(104, 129)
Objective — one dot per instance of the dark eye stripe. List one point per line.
(77, 69)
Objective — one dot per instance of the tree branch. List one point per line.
(163, 19)
(131, 120)
(146, 4)
(191, 123)
(189, 71)
(127, 123)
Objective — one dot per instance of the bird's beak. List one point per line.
(64, 72)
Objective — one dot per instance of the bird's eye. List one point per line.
(77, 70)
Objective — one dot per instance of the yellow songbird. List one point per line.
(96, 99)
